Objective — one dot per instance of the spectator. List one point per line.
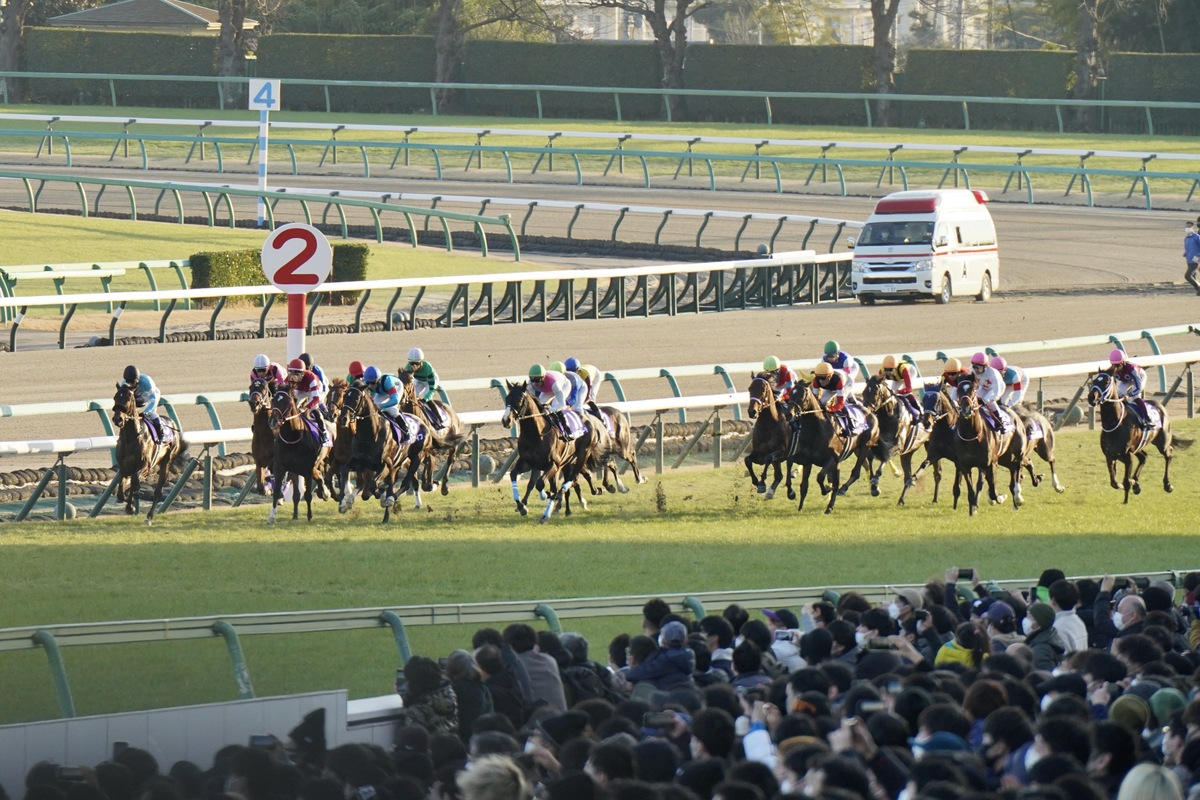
(1001, 626)
(875, 625)
(719, 635)
(611, 761)
(584, 679)
(1114, 753)
(969, 646)
(470, 693)
(785, 630)
(493, 778)
(653, 614)
(545, 685)
(669, 666)
(1063, 599)
(713, 734)
(1127, 619)
(429, 699)
(1150, 782)
(1041, 636)
(747, 667)
(502, 684)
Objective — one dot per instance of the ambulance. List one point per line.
(937, 243)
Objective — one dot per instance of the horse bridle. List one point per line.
(1109, 395)
(767, 400)
(128, 411)
(277, 418)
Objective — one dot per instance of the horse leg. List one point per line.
(276, 495)
(563, 494)
(1137, 472)
(1014, 477)
(957, 486)
(909, 480)
(1164, 445)
(1112, 473)
(1045, 450)
(630, 457)
(834, 479)
(158, 488)
(296, 494)
(1126, 483)
(135, 489)
(778, 477)
(804, 472)
(759, 485)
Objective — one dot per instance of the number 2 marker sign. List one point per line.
(297, 258)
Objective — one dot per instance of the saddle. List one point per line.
(853, 419)
(1001, 425)
(318, 431)
(414, 434)
(434, 414)
(159, 433)
(1150, 420)
(573, 425)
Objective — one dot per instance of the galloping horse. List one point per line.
(819, 442)
(1122, 437)
(1039, 442)
(262, 440)
(899, 433)
(378, 456)
(939, 418)
(622, 445)
(769, 438)
(339, 455)
(297, 455)
(138, 453)
(542, 451)
(979, 448)
(447, 434)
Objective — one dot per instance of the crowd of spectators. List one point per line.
(1069, 690)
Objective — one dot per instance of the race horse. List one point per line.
(543, 452)
(939, 417)
(821, 441)
(443, 426)
(622, 444)
(386, 465)
(138, 453)
(1122, 437)
(297, 455)
(979, 449)
(1039, 440)
(900, 432)
(343, 438)
(770, 437)
(262, 440)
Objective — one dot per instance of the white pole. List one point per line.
(263, 117)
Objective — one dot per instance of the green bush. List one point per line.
(349, 264)
(244, 268)
(1136, 76)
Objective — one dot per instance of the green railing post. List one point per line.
(58, 671)
(241, 674)
(1162, 372)
(720, 370)
(393, 621)
(544, 611)
(674, 384)
(694, 605)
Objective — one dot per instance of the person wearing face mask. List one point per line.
(1191, 254)
(1005, 731)
(874, 625)
(1042, 637)
(1126, 619)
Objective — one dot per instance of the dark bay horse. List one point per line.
(339, 454)
(542, 451)
(138, 454)
(623, 446)
(386, 467)
(1123, 439)
(297, 455)
(899, 433)
(447, 434)
(981, 450)
(1040, 443)
(770, 437)
(939, 417)
(819, 442)
(262, 440)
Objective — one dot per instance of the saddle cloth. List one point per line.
(994, 423)
(434, 414)
(416, 431)
(167, 435)
(575, 424)
(1033, 430)
(606, 418)
(857, 419)
(1152, 416)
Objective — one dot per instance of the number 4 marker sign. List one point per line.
(296, 258)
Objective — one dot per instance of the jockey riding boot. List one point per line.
(560, 420)
(911, 403)
(402, 424)
(595, 409)
(1143, 412)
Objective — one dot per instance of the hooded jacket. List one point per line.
(1048, 648)
(435, 710)
(666, 668)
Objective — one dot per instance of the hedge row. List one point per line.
(244, 268)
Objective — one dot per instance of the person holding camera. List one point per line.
(785, 630)
(1128, 618)
(878, 656)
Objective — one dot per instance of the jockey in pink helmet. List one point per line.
(989, 385)
(1015, 382)
(1131, 379)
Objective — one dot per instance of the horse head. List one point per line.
(876, 393)
(966, 399)
(517, 403)
(259, 396)
(761, 395)
(336, 396)
(1103, 388)
(935, 405)
(283, 408)
(124, 407)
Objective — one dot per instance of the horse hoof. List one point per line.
(623, 489)
(543, 520)
(791, 495)
(149, 522)
(829, 511)
(129, 510)
(841, 493)
(1168, 488)
(874, 491)
(1061, 489)
(1137, 488)
(388, 503)
(444, 489)
(642, 479)
(524, 511)
(770, 495)
(762, 488)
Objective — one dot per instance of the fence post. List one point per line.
(547, 613)
(694, 605)
(241, 673)
(393, 621)
(58, 671)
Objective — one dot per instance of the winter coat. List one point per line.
(474, 700)
(435, 710)
(665, 668)
(1048, 648)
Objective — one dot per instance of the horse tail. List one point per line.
(179, 460)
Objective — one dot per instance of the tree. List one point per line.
(231, 47)
(669, 28)
(883, 23)
(13, 14)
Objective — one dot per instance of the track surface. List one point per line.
(1066, 271)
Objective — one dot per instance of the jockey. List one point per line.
(354, 373)
(953, 373)
(782, 376)
(841, 360)
(591, 376)
(1015, 383)
(264, 369)
(834, 392)
(578, 389)
(898, 375)
(146, 395)
(550, 388)
(316, 370)
(385, 394)
(306, 391)
(988, 386)
(425, 377)
(1130, 378)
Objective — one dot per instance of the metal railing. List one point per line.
(867, 99)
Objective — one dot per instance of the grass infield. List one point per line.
(690, 531)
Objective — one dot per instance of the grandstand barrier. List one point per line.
(548, 611)
(782, 279)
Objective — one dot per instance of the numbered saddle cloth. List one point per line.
(160, 433)
(607, 419)
(574, 424)
(857, 418)
(1153, 418)
(415, 430)
(1033, 430)
(1000, 424)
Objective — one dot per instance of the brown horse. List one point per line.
(1122, 437)
(819, 442)
(1039, 440)
(770, 437)
(385, 466)
(980, 449)
(542, 452)
(138, 454)
(900, 434)
(939, 417)
(339, 454)
(622, 445)
(447, 435)
(298, 455)
(262, 440)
